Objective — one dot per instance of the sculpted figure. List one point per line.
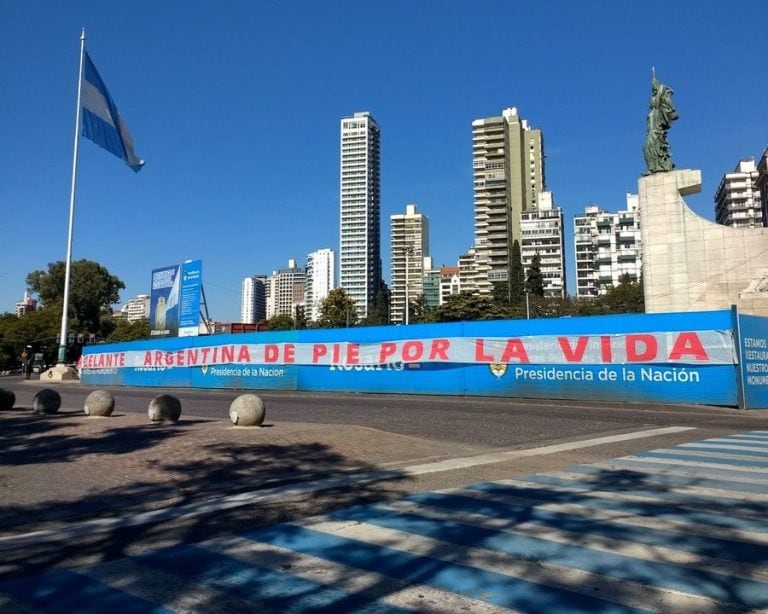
(660, 117)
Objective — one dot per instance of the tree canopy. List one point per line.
(469, 306)
(129, 331)
(337, 310)
(379, 314)
(281, 321)
(517, 275)
(92, 291)
(627, 297)
(534, 283)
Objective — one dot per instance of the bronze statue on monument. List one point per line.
(660, 117)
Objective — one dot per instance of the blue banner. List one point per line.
(661, 358)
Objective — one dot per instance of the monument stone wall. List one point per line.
(693, 264)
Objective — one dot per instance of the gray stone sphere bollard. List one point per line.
(164, 408)
(99, 403)
(46, 401)
(247, 410)
(7, 399)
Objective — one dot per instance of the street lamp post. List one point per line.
(527, 306)
(27, 362)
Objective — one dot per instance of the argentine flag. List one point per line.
(101, 121)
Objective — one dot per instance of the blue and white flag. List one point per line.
(101, 121)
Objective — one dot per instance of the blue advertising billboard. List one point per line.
(174, 309)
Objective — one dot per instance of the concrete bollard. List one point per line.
(46, 401)
(7, 399)
(164, 408)
(99, 403)
(247, 410)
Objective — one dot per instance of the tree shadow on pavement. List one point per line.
(27, 439)
(138, 469)
(586, 538)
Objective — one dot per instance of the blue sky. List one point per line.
(235, 106)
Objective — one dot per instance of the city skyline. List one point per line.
(240, 130)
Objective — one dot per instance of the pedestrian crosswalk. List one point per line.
(681, 529)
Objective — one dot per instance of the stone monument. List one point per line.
(689, 263)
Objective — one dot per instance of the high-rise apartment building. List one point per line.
(737, 199)
(137, 308)
(607, 247)
(409, 244)
(542, 234)
(360, 211)
(321, 279)
(253, 305)
(468, 271)
(286, 290)
(761, 184)
(508, 176)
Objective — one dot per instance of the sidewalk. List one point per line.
(67, 466)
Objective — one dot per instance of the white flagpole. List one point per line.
(65, 307)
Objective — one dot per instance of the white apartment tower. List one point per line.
(508, 175)
(450, 282)
(321, 279)
(286, 290)
(253, 306)
(137, 308)
(360, 211)
(542, 234)
(468, 271)
(409, 244)
(608, 246)
(762, 184)
(737, 199)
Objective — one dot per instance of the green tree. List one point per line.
(552, 306)
(626, 297)
(534, 283)
(501, 293)
(588, 306)
(337, 310)
(468, 306)
(511, 293)
(281, 321)
(517, 275)
(40, 329)
(379, 315)
(129, 331)
(420, 312)
(300, 318)
(92, 292)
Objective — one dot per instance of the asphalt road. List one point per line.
(481, 421)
